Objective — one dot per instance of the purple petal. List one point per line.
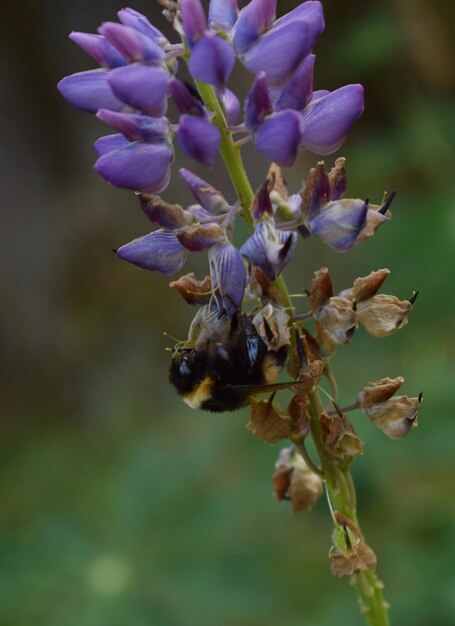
(231, 105)
(269, 248)
(136, 127)
(99, 48)
(106, 144)
(131, 43)
(319, 93)
(142, 87)
(223, 13)
(139, 166)
(257, 103)
(159, 251)
(212, 60)
(90, 91)
(279, 137)
(327, 121)
(207, 196)
(193, 19)
(262, 204)
(253, 20)
(339, 223)
(298, 93)
(198, 138)
(184, 99)
(134, 19)
(311, 12)
(266, 55)
(228, 275)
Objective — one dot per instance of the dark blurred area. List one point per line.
(119, 505)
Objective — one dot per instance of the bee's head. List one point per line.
(188, 368)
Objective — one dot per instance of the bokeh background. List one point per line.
(119, 506)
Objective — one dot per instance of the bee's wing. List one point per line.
(253, 389)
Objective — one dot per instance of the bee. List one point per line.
(225, 365)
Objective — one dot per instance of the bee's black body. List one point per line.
(211, 375)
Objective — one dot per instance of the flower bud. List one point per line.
(350, 553)
(207, 196)
(396, 416)
(382, 315)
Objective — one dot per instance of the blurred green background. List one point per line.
(119, 506)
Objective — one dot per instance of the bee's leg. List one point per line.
(301, 350)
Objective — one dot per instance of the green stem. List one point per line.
(339, 484)
(233, 161)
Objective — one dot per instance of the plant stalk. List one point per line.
(339, 484)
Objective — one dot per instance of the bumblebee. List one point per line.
(224, 363)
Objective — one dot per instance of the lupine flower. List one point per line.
(200, 227)
(268, 248)
(294, 479)
(294, 119)
(320, 210)
(228, 275)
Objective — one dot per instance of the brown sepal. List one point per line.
(321, 290)
(337, 179)
(340, 439)
(305, 488)
(298, 410)
(379, 391)
(367, 286)
(277, 181)
(192, 290)
(311, 350)
(269, 289)
(281, 481)
(266, 423)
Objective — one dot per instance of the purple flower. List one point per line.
(260, 41)
(208, 197)
(142, 87)
(136, 127)
(340, 223)
(269, 248)
(136, 20)
(99, 48)
(228, 275)
(131, 43)
(212, 58)
(198, 138)
(138, 166)
(160, 251)
(90, 91)
(300, 119)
